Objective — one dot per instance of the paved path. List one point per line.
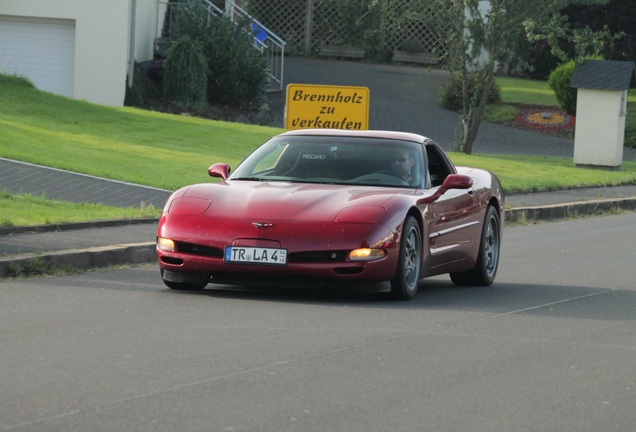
(24, 178)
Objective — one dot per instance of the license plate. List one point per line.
(241, 254)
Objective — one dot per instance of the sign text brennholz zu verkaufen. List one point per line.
(326, 107)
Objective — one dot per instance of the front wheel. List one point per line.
(485, 270)
(407, 277)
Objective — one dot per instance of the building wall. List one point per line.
(101, 40)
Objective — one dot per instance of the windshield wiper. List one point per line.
(249, 178)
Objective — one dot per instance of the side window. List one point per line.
(438, 168)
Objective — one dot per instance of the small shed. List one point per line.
(601, 108)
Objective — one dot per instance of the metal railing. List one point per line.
(268, 43)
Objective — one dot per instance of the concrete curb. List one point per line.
(143, 253)
(75, 225)
(77, 259)
(560, 211)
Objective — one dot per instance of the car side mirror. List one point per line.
(452, 181)
(456, 181)
(219, 170)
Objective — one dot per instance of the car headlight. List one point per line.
(165, 244)
(189, 206)
(366, 254)
(366, 214)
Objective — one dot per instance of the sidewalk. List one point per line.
(25, 178)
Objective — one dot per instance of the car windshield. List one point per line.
(335, 160)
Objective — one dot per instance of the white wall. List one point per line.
(146, 21)
(102, 44)
(600, 128)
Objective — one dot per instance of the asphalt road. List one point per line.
(549, 347)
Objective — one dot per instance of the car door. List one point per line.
(453, 219)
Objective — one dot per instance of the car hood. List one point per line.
(280, 200)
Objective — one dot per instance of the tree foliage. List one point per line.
(615, 21)
(481, 36)
(617, 16)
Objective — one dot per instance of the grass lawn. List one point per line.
(170, 151)
(26, 210)
(523, 91)
(127, 144)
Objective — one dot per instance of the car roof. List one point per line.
(404, 136)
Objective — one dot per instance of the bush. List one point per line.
(143, 90)
(379, 55)
(451, 95)
(186, 72)
(16, 80)
(238, 72)
(412, 46)
(559, 82)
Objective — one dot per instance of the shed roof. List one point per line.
(603, 75)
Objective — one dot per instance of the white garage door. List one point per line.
(41, 49)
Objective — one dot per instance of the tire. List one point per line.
(485, 270)
(407, 277)
(183, 286)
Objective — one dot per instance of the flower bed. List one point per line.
(546, 120)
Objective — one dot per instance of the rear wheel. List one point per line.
(184, 286)
(404, 284)
(485, 270)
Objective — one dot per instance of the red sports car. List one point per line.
(333, 206)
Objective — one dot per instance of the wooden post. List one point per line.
(309, 19)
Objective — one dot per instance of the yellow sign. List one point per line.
(326, 107)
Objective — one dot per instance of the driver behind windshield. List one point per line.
(402, 164)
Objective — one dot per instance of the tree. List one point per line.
(617, 16)
(481, 36)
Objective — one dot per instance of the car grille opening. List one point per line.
(348, 270)
(170, 260)
(195, 249)
(317, 257)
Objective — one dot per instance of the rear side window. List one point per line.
(438, 166)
